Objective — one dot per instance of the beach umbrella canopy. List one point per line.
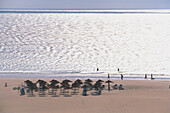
(100, 80)
(88, 80)
(41, 81)
(75, 85)
(85, 86)
(87, 83)
(79, 81)
(28, 81)
(98, 83)
(30, 85)
(108, 81)
(64, 85)
(67, 80)
(42, 84)
(54, 81)
(53, 84)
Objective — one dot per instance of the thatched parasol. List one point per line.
(88, 80)
(108, 81)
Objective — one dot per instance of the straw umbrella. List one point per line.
(98, 84)
(89, 83)
(30, 85)
(54, 81)
(53, 85)
(42, 84)
(88, 80)
(100, 80)
(76, 84)
(108, 81)
(79, 81)
(65, 84)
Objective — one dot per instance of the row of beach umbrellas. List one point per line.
(65, 84)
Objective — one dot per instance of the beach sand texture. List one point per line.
(139, 96)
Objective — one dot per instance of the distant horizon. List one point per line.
(88, 8)
(86, 4)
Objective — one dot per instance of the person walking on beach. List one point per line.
(97, 69)
(152, 77)
(121, 76)
(108, 76)
(145, 76)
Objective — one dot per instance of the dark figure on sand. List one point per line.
(145, 76)
(121, 76)
(152, 77)
(97, 69)
(5, 84)
(108, 76)
(118, 69)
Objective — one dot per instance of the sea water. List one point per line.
(136, 42)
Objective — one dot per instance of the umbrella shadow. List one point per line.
(54, 94)
(64, 92)
(42, 94)
(95, 93)
(67, 95)
(31, 95)
(75, 92)
(85, 95)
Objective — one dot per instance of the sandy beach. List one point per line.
(139, 96)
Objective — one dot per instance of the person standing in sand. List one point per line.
(121, 76)
(5, 84)
(145, 76)
(152, 77)
(108, 76)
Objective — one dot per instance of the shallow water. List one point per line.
(115, 76)
(59, 42)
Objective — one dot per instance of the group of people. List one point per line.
(152, 78)
(121, 75)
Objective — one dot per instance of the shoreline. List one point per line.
(84, 76)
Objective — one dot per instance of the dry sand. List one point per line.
(139, 96)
